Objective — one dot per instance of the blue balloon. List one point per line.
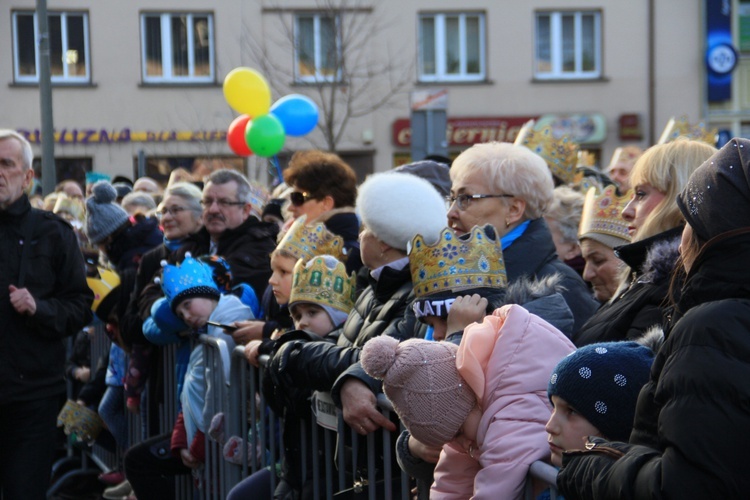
(297, 113)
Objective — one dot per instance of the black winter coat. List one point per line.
(533, 255)
(247, 248)
(690, 435)
(643, 302)
(32, 350)
(380, 310)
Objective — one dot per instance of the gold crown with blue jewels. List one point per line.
(453, 264)
(304, 241)
(681, 127)
(602, 215)
(561, 154)
(323, 281)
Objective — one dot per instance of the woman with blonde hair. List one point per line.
(655, 225)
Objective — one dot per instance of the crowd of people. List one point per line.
(514, 305)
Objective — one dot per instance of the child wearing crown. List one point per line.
(302, 241)
(194, 297)
(320, 300)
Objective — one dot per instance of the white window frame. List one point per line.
(556, 46)
(441, 74)
(65, 77)
(165, 19)
(318, 76)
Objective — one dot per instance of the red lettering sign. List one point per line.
(463, 132)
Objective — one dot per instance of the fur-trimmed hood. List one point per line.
(660, 261)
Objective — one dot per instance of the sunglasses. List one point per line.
(298, 198)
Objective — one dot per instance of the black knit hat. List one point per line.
(602, 382)
(717, 196)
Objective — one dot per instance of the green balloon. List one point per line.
(265, 135)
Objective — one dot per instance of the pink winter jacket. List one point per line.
(507, 360)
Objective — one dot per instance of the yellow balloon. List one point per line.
(247, 92)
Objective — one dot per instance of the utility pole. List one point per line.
(49, 174)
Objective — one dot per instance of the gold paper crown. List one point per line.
(305, 242)
(602, 214)
(680, 127)
(586, 159)
(560, 154)
(454, 264)
(317, 282)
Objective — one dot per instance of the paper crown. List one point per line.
(453, 264)
(305, 242)
(586, 159)
(320, 282)
(561, 154)
(191, 278)
(626, 154)
(76, 419)
(601, 218)
(258, 198)
(680, 127)
(72, 206)
(103, 284)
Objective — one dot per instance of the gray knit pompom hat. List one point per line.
(103, 215)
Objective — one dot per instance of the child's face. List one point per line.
(281, 278)
(566, 430)
(195, 311)
(312, 319)
(467, 434)
(439, 327)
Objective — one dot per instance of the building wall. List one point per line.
(118, 100)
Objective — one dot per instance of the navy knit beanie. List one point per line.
(602, 382)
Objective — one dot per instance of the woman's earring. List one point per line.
(507, 224)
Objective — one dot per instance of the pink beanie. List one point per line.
(421, 380)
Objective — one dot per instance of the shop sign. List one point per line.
(463, 132)
(125, 135)
(581, 128)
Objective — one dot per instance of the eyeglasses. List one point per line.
(173, 211)
(299, 198)
(207, 202)
(464, 200)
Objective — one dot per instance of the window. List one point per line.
(568, 45)
(177, 48)
(68, 43)
(451, 47)
(317, 48)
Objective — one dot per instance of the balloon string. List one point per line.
(275, 161)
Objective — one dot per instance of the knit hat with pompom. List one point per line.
(103, 215)
(421, 380)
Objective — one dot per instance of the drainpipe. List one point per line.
(651, 75)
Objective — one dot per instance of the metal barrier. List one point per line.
(341, 448)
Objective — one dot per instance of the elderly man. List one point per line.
(511, 188)
(43, 299)
(232, 229)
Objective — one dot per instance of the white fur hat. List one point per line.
(397, 206)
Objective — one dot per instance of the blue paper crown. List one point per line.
(192, 278)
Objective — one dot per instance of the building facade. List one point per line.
(137, 85)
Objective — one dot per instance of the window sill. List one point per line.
(35, 85)
(321, 83)
(601, 79)
(445, 83)
(174, 85)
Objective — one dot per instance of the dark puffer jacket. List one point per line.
(642, 303)
(690, 435)
(247, 248)
(533, 255)
(380, 310)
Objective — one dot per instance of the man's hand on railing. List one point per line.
(360, 408)
(252, 350)
(188, 459)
